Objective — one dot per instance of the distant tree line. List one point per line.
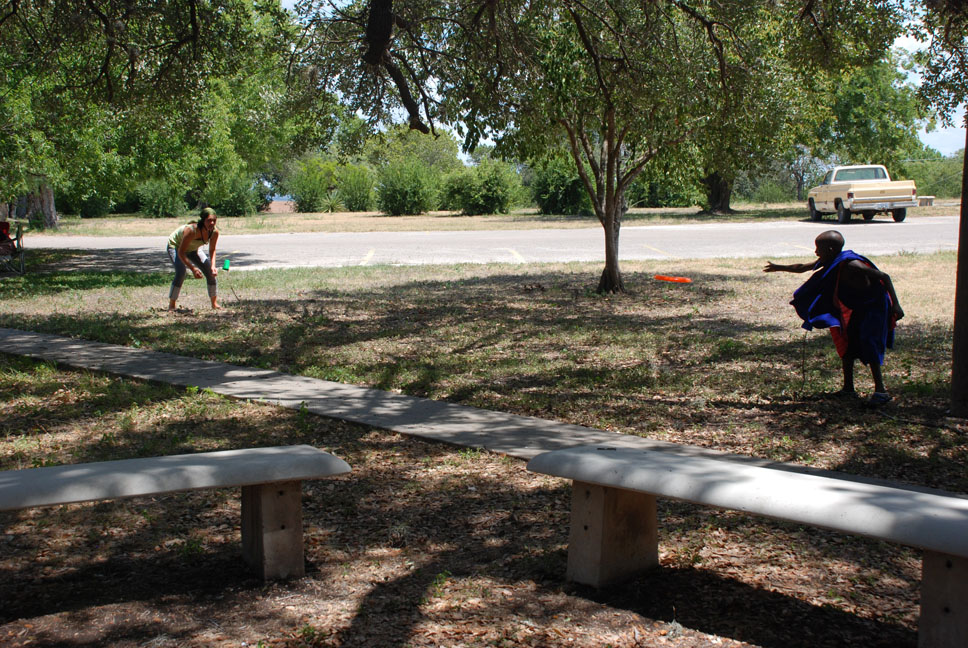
(165, 127)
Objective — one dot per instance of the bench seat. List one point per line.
(271, 480)
(614, 527)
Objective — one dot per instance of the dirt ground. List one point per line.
(281, 207)
(427, 545)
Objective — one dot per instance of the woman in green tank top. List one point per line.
(186, 253)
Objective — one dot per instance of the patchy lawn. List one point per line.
(425, 545)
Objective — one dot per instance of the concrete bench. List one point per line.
(271, 481)
(614, 528)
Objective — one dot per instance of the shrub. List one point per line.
(488, 188)
(495, 186)
(160, 199)
(266, 186)
(939, 177)
(772, 192)
(649, 192)
(95, 207)
(455, 190)
(310, 182)
(356, 188)
(666, 182)
(241, 199)
(558, 189)
(405, 188)
(128, 204)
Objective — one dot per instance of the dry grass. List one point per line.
(424, 545)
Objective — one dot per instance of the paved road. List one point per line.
(773, 239)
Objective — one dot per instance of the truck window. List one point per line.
(866, 173)
(827, 178)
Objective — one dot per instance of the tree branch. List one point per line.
(405, 97)
(593, 53)
(582, 173)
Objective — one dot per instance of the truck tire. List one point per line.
(843, 214)
(869, 215)
(899, 214)
(814, 214)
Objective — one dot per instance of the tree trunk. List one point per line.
(611, 280)
(959, 349)
(800, 181)
(38, 205)
(719, 190)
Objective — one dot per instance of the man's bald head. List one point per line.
(829, 245)
(831, 239)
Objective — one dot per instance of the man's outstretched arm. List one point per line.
(793, 267)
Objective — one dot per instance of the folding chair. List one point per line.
(12, 260)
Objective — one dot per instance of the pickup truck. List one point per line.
(867, 189)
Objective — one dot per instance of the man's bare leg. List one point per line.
(848, 365)
(878, 378)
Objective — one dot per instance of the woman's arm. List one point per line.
(187, 237)
(213, 239)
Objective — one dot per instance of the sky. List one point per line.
(948, 140)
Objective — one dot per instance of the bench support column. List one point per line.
(614, 534)
(944, 601)
(272, 534)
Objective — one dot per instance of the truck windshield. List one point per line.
(864, 173)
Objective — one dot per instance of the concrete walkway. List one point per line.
(522, 437)
(517, 436)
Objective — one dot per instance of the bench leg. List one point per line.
(944, 601)
(272, 534)
(614, 534)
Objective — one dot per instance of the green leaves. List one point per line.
(310, 183)
(405, 188)
(101, 95)
(487, 188)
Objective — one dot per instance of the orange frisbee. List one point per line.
(673, 279)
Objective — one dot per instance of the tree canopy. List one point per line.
(621, 82)
(101, 93)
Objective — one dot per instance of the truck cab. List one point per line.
(867, 189)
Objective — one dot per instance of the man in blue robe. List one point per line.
(855, 300)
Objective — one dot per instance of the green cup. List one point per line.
(225, 266)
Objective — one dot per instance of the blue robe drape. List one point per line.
(818, 305)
